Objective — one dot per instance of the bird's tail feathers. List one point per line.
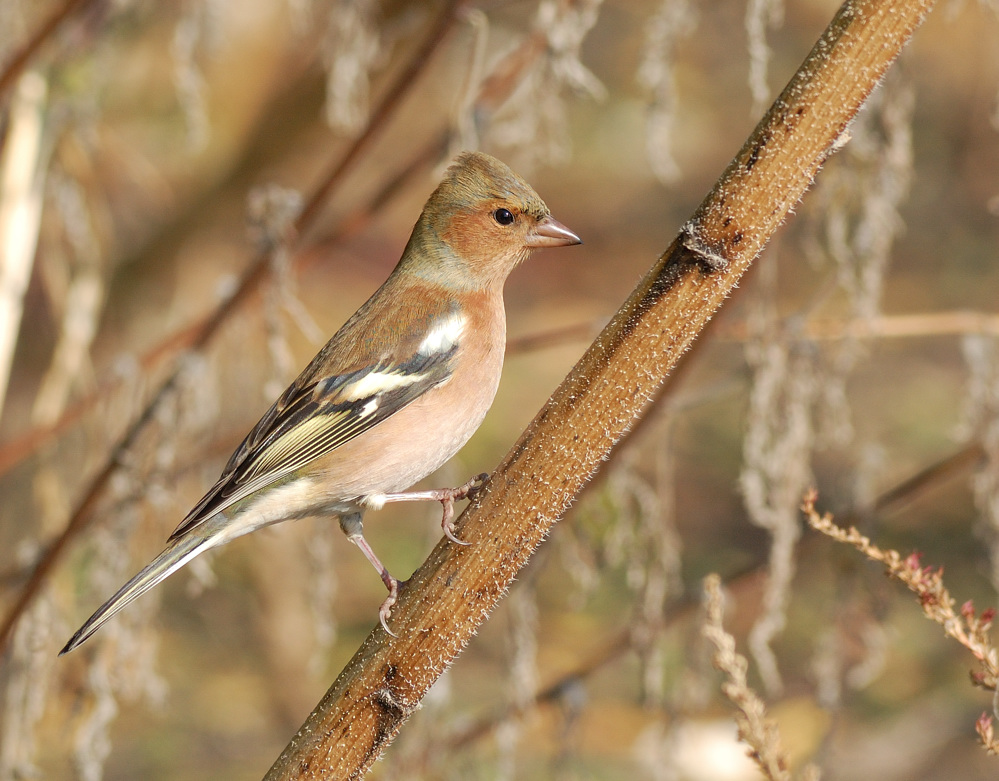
(163, 566)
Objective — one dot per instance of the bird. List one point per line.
(392, 396)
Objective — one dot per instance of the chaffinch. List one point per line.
(393, 395)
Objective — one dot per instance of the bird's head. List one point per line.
(483, 219)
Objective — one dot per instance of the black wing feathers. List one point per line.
(310, 421)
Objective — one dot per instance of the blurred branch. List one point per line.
(251, 280)
(957, 323)
(457, 587)
(379, 117)
(22, 179)
(358, 220)
(23, 56)
(477, 730)
(923, 481)
(553, 337)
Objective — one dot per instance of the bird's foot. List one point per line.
(385, 611)
(448, 496)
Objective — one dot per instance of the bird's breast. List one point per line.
(418, 439)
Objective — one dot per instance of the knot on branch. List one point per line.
(711, 255)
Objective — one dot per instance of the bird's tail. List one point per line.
(169, 561)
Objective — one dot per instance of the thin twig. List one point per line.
(943, 470)
(927, 324)
(554, 337)
(477, 730)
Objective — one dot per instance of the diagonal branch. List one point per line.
(458, 586)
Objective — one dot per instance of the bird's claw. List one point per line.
(473, 486)
(385, 611)
(448, 527)
(466, 491)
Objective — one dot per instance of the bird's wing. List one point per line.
(311, 419)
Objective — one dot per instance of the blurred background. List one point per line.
(153, 152)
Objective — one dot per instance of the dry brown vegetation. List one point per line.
(858, 356)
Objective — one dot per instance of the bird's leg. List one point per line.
(354, 529)
(447, 497)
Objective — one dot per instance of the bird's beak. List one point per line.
(549, 232)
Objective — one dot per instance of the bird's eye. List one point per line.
(503, 216)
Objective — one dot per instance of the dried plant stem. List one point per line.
(756, 729)
(964, 624)
(250, 282)
(969, 629)
(458, 586)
